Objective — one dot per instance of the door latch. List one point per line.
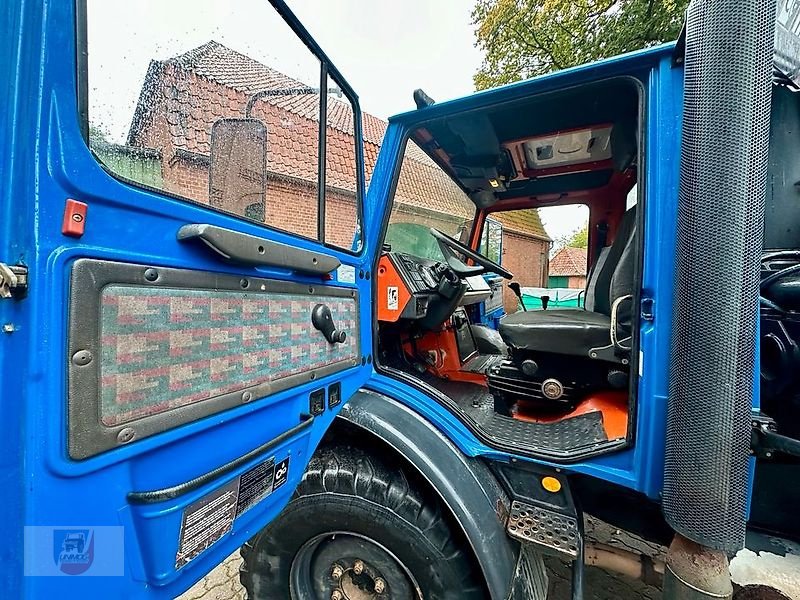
(13, 281)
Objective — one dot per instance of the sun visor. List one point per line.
(483, 198)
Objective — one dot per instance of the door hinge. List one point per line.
(13, 281)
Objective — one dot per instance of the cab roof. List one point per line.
(565, 131)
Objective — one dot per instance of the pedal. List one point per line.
(550, 531)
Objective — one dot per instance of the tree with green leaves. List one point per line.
(524, 38)
(579, 238)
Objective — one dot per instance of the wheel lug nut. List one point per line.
(337, 572)
(358, 567)
(336, 595)
(380, 586)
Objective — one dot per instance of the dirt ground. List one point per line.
(223, 582)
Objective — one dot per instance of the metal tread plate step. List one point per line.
(561, 436)
(551, 531)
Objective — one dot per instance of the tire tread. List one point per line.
(350, 471)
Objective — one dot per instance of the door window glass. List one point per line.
(219, 103)
(492, 240)
(341, 209)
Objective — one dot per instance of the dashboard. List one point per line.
(419, 289)
(424, 275)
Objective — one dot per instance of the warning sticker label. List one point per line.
(393, 298)
(281, 473)
(205, 521)
(255, 485)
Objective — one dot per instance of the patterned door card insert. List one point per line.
(164, 348)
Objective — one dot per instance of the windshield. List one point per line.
(425, 197)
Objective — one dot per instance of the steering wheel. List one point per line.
(450, 246)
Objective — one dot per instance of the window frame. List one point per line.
(327, 70)
(486, 225)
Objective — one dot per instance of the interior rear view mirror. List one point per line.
(238, 175)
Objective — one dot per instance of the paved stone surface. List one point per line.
(223, 582)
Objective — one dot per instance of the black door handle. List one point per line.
(322, 319)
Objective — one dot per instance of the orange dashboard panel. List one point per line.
(393, 295)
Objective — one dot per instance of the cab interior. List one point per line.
(553, 383)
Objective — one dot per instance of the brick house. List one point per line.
(183, 96)
(568, 268)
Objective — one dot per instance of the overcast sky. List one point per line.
(428, 44)
(385, 49)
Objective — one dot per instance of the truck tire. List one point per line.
(358, 528)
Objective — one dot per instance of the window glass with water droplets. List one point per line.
(218, 103)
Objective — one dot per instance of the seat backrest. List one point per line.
(612, 275)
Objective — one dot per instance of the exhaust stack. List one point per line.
(728, 81)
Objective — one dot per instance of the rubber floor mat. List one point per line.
(562, 438)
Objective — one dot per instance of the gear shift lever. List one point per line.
(514, 287)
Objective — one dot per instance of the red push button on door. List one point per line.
(74, 218)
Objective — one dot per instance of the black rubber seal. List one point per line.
(176, 491)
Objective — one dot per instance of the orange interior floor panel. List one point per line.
(439, 352)
(612, 403)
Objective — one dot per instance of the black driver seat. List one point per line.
(577, 332)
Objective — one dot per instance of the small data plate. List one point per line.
(553, 532)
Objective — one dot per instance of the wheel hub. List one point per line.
(348, 566)
(357, 581)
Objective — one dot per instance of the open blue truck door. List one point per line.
(490, 311)
(172, 351)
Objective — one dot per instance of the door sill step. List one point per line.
(550, 531)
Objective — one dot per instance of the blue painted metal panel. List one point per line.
(632, 63)
(44, 160)
(639, 467)
(47, 163)
(664, 114)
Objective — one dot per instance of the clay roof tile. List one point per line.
(569, 262)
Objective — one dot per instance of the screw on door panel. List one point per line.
(125, 435)
(81, 358)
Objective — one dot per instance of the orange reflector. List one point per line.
(551, 484)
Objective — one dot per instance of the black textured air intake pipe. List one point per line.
(727, 78)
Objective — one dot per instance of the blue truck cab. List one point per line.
(216, 335)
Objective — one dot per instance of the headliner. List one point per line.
(468, 145)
